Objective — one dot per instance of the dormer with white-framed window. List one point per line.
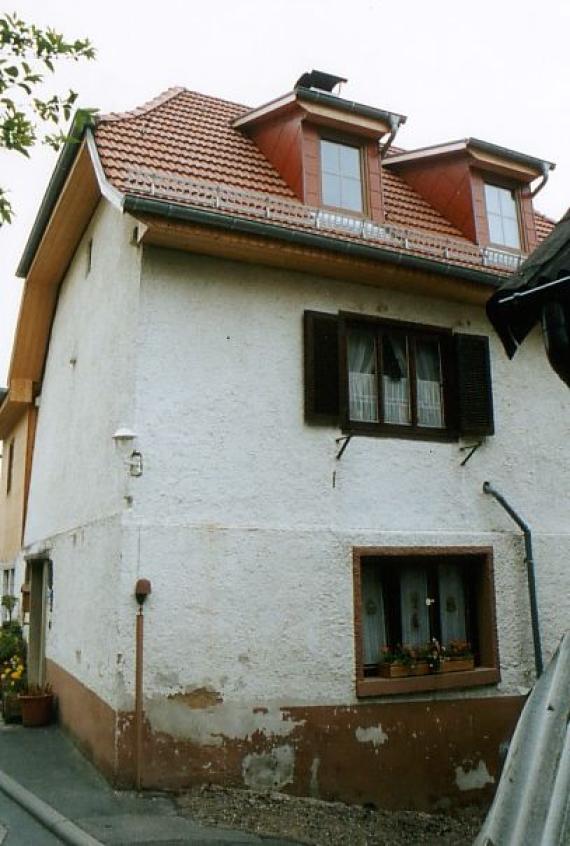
(483, 189)
(325, 147)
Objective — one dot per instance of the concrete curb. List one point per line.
(51, 819)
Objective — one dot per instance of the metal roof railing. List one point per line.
(258, 206)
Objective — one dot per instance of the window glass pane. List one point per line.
(395, 380)
(429, 384)
(350, 161)
(331, 190)
(351, 195)
(496, 229)
(373, 618)
(414, 608)
(511, 233)
(492, 199)
(452, 603)
(330, 158)
(362, 382)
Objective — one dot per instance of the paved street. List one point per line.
(46, 763)
(18, 828)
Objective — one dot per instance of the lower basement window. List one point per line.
(424, 619)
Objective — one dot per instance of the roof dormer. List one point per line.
(325, 147)
(481, 188)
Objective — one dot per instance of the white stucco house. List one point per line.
(283, 317)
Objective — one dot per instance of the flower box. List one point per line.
(455, 665)
(394, 670)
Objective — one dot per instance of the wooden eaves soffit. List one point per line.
(66, 214)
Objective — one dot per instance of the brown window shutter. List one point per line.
(321, 368)
(474, 391)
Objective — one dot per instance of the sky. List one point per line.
(496, 69)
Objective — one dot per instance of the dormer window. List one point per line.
(502, 216)
(341, 176)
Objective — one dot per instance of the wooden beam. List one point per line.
(272, 253)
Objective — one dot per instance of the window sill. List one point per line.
(419, 684)
(402, 432)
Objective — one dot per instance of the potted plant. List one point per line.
(12, 682)
(36, 702)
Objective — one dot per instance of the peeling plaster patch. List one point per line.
(314, 783)
(211, 725)
(200, 697)
(473, 779)
(269, 771)
(373, 735)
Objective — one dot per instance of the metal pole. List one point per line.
(139, 697)
(489, 489)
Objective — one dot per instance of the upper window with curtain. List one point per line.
(502, 216)
(397, 378)
(389, 378)
(341, 176)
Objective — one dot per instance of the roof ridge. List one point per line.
(159, 100)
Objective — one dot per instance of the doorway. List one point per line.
(40, 572)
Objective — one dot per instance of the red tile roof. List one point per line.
(544, 225)
(182, 135)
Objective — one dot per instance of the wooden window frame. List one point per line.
(414, 331)
(362, 155)
(514, 188)
(488, 669)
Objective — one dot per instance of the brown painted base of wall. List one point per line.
(90, 721)
(423, 755)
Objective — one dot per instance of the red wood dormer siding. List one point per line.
(281, 142)
(447, 186)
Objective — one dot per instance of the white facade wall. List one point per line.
(78, 482)
(238, 525)
(235, 519)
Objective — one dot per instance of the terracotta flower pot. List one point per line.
(37, 710)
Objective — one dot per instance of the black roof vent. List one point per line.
(319, 79)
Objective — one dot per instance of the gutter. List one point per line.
(529, 559)
(82, 119)
(309, 95)
(171, 211)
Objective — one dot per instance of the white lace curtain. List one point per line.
(362, 383)
(373, 617)
(395, 380)
(428, 375)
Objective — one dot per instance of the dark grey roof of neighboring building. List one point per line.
(513, 317)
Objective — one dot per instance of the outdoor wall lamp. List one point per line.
(135, 463)
(123, 435)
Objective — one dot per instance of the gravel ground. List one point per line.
(318, 823)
